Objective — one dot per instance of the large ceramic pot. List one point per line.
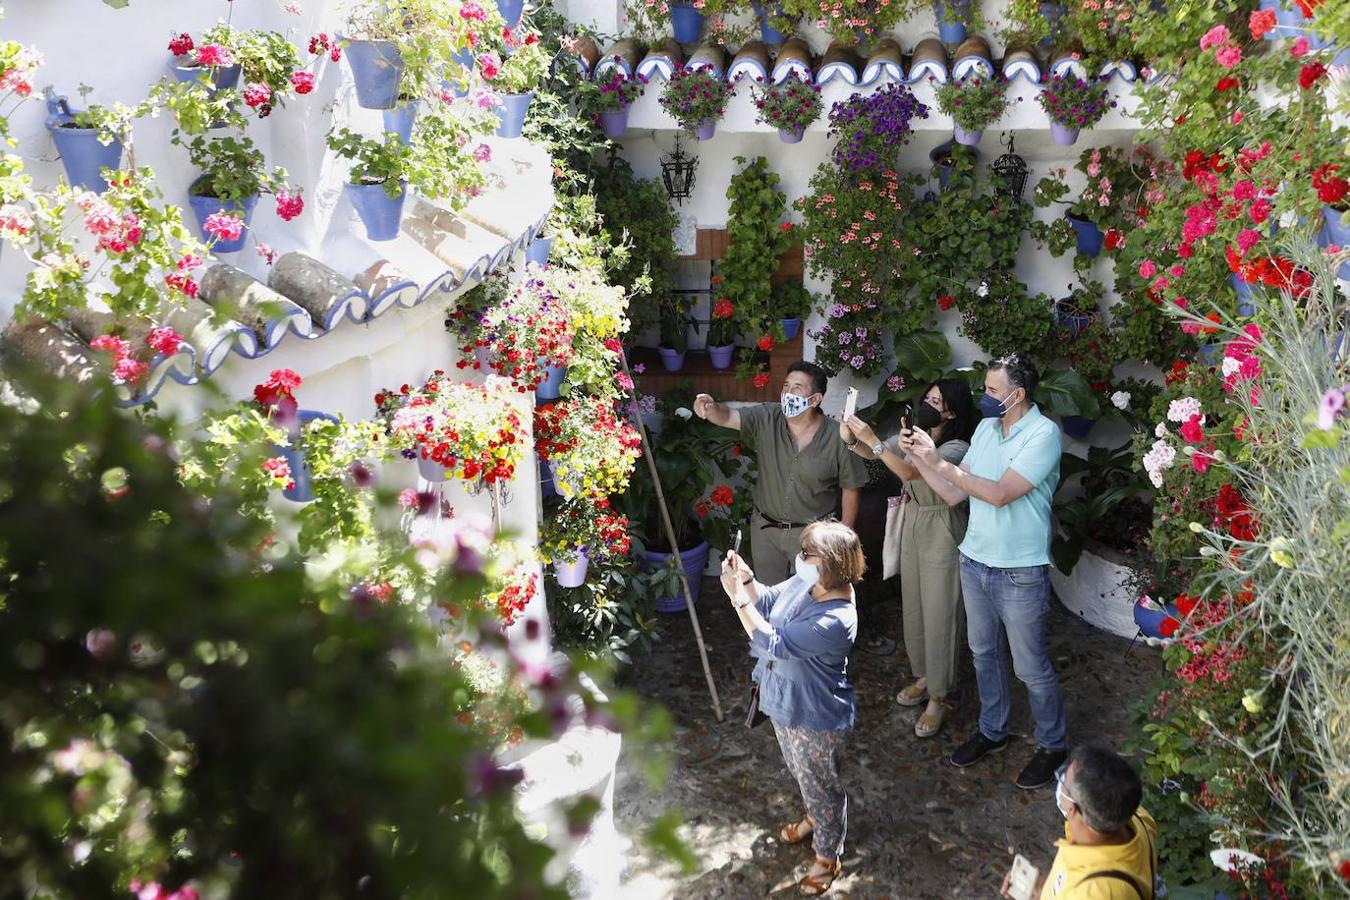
(686, 22)
(377, 67)
(1098, 590)
(692, 561)
(380, 213)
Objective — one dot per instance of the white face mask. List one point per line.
(1059, 804)
(805, 571)
(794, 405)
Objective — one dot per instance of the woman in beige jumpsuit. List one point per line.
(930, 579)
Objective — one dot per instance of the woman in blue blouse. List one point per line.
(801, 631)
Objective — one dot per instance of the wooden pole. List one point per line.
(674, 546)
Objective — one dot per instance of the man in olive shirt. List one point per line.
(803, 466)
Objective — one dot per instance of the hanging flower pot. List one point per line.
(951, 32)
(1088, 234)
(399, 120)
(1077, 426)
(791, 326)
(430, 470)
(204, 206)
(706, 129)
(223, 78)
(302, 487)
(1063, 135)
(81, 152)
(539, 250)
(1246, 295)
(511, 11)
(941, 158)
(1069, 317)
(511, 112)
(791, 137)
(380, 213)
(614, 122)
(672, 360)
(686, 22)
(770, 15)
(377, 67)
(551, 387)
(1052, 12)
(721, 356)
(966, 138)
(692, 562)
(572, 573)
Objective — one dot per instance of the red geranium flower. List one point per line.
(1227, 83)
(761, 380)
(723, 309)
(1309, 74)
(1114, 239)
(765, 342)
(722, 496)
(1169, 627)
(946, 302)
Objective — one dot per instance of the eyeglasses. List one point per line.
(806, 555)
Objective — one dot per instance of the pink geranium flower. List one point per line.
(214, 55)
(289, 205)
(223, 226)
(164, 340)
(303, 82)
(1228, 56)
(1215, 37)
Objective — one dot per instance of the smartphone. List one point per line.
(1022, 879)
(850, 403)
(736, 546)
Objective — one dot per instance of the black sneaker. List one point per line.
(976, 749)
(1041, 770)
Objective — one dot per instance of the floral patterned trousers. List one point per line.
(815, 758)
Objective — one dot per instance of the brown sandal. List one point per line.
(815, 885)
(928, 726)
(793, 833)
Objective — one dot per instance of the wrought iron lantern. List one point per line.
(1012, 170)
(677, 171)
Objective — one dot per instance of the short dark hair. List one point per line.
(1021, 371)
(1105, 787)
(819, 379)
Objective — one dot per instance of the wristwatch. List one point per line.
(878, 449)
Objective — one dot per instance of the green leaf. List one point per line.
(663, 838)
(923, 354)
(1065, 393)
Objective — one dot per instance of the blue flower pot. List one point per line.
(1076, 427)
(546, 486)
(377, 67)
(951, 34)
(223, 78)
(301, 473)
(1333, 232)
(944, 170)
(1052, 12)
(1246, 295)
(380, 213)
(614, 122)
(966, 138)
(1076, 323)
(791, 326)
(511, 113)
(83, 156)
(1211, 353)
(692, 561)
(572, 573)
(721, 356)
(551, 387)
(686, 23)
(204, 207)
(539, 250)
(1150, 620)
(1063, 135)
(1089, 236)
(706, 129)
(511, 11)
(765, 13)
(671, 360)
(399, 120)
(1317, 42)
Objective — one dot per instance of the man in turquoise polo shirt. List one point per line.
(1009, 474)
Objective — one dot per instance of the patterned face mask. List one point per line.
(794, 405)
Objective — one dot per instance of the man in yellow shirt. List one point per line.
(1109, 847)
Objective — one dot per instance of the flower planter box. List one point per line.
(1097, 590)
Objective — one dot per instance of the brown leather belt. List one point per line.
(770, 522)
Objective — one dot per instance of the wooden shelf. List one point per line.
(722, 384)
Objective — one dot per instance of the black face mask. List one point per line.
(926, 417)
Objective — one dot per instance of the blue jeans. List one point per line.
(1012, 601)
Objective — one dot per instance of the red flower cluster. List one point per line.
(761, 380)
(320, 43)
(764, 343)
(181, 45)
(946, 302)
(512, 599)
(1310, 73)
(548, 437)
(723, 309)
(1232, 514)
(1331, 188)
(1114, 239)
(722, 496)
(277, 393)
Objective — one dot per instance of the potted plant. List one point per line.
(212, 60)
(590, 449)
(872, 127)
(454, 430)
(675, 320)
(790, 106)
(1077, 311)
(404, 49)
(955, 18)
(790, 302)
(722, 334)
(1073, 104)
(852, 22)
(610, 99)
(465, 320)
(697, 98)
(1334, 193)
(90, 140)
(515, 80)
(775, 24)
(530, 335)
(290, 464)
(446, 159)
(233, 173)
(1001, 316)
(851, 342)
(378, 182)
(974, 103)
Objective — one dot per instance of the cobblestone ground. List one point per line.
(918, 827)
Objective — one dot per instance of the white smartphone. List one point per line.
(736, 547)
(1022, 879)
(850, 403)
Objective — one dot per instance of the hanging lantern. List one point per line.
(1012, 169)
(677, 171)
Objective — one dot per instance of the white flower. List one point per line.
(1288, 219)
(1160, 457)
(1181, 409)
(684, 412)
(982, 290)
(1160, 431)
(1121, 400)
(1230, 366)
